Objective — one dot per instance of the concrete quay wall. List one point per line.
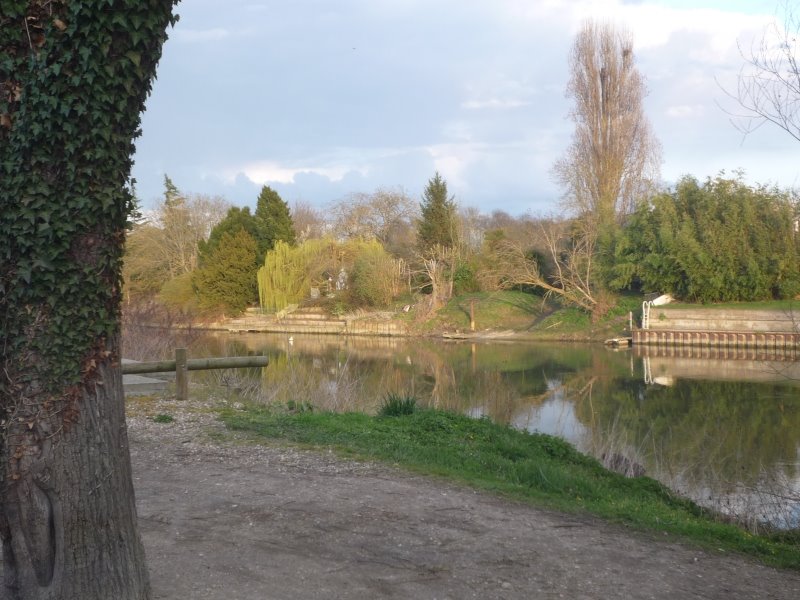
(686, 319)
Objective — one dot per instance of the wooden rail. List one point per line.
(181, 365)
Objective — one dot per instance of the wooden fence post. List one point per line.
(472, 314)
(181, 374)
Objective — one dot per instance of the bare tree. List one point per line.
(614, 157)
(385, 215)
(564, 271)
(308, 221)
(184, 223)
(768, 87)
(470, 224)
(436, 266)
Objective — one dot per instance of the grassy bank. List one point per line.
(539, 469)
(528, 315)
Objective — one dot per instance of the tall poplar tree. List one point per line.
(614, 158)
(74, 77)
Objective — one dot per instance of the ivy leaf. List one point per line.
(134, 57)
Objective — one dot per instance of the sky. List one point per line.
(320, 99)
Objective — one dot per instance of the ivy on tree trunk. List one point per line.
(74, 76)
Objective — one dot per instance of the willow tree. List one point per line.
(614, 158)
(74, 76)
(286, 276)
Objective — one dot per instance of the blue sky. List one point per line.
(323, 98)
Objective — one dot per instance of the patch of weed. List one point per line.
(394, 405)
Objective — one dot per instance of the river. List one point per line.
(722, 427)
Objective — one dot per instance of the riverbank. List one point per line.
(225, 518)
(505, 315)
(519, 316)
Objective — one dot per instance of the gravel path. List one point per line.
(225, 520)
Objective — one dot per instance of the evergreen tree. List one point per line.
(172, 195)
(228, 279)
(274, 219)
(437, 225)
(236, 219)
(716, 241)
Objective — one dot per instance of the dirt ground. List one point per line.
(227, 520)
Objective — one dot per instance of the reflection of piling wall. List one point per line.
(769, 330)
(666, 363)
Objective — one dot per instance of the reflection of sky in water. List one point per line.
(556, 416)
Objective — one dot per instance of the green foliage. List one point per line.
(274, 219)
(394, 405)
(163, 418)
(172, 195)
(374, 276)
(286, 275)
(437, 224)
(719, 241)
(70, 104)
(289, 272)
(236, 219)
(465, 280)
(227, 281)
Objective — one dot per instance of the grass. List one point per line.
(493, 310)
(536, 468)
(568, 322)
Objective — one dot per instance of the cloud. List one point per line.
(271, 172)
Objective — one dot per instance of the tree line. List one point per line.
(702, 241)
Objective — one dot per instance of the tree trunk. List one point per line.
(69, 522)
(73, 83)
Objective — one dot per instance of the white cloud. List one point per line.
(270, 172)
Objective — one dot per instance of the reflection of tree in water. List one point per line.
(702, 432)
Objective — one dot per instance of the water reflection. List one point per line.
(725, 430)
